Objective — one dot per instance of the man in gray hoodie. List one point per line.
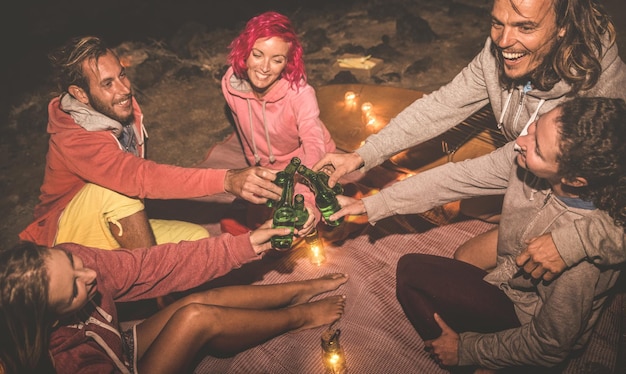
(539, 53)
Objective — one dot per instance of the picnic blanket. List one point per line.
(375, 334)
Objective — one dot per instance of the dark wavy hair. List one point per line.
(576, 57)
(67, 61)
(25, 318)
(593, 146)
(268, 25)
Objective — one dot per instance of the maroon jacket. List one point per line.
(89, 341)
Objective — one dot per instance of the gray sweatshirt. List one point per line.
(556, 317)
(478, 85)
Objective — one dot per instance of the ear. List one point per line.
(561, 32)
(576, 182)
(79, 94)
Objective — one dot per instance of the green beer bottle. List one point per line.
(284, 215)
(325, 197)
(282, 177)
(302, 215)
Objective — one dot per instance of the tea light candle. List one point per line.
(317, 254)
(350, 98)
(368, 117)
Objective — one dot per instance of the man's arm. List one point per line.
(426, 118)
(571, 305)
(485, 175)
(596, 238)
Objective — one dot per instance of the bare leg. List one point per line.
(484, 208)
(234, 322)
(136, 231)
(480, 251)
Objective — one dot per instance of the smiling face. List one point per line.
(266, 62)
(110, 90)
(71, 284)
(525, 32)
(539, 149)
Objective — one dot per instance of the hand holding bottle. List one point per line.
(338, 165)
(260, 238)
(349, 206)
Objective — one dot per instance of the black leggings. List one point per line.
(456, 291)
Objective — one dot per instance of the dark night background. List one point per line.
(36, 26)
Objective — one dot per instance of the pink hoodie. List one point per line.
(77, 156)
(283, 124)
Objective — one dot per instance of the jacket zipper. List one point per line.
(527, 88)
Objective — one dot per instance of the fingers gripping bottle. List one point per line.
(284, 215)
(325, 197)
(282, 177)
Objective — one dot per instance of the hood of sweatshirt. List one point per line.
(242, 88)
(87, 117)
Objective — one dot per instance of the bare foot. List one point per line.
(314, 287)
(320, 312)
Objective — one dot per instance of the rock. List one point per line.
(419, 66)
(344, 77)
(314, 40)
(414, 28)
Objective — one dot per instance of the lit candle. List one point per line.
(332, 353)
(317, 254)
(350, 98)
(367, 114)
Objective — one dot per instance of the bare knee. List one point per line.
(480, 251)
(208, 297)
(199, 316)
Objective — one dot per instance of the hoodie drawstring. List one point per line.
(257, 158)
(267, 136)
(504, 109)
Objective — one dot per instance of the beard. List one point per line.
(109, 112)
(543, 77)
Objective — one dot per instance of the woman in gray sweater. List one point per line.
(570, 165)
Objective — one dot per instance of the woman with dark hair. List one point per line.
(58, 311)
(274, 109)
(570, 165)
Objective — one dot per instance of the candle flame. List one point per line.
(334, 359)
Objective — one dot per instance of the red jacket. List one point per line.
(89, 341)
(77, 156)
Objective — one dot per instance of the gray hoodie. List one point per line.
(478, 85)
(556, 317)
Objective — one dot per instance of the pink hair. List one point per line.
(267, 25)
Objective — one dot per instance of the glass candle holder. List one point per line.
(367, 114)
(332, 353)
(317, 254)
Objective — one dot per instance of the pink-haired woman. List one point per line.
(274, 109)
